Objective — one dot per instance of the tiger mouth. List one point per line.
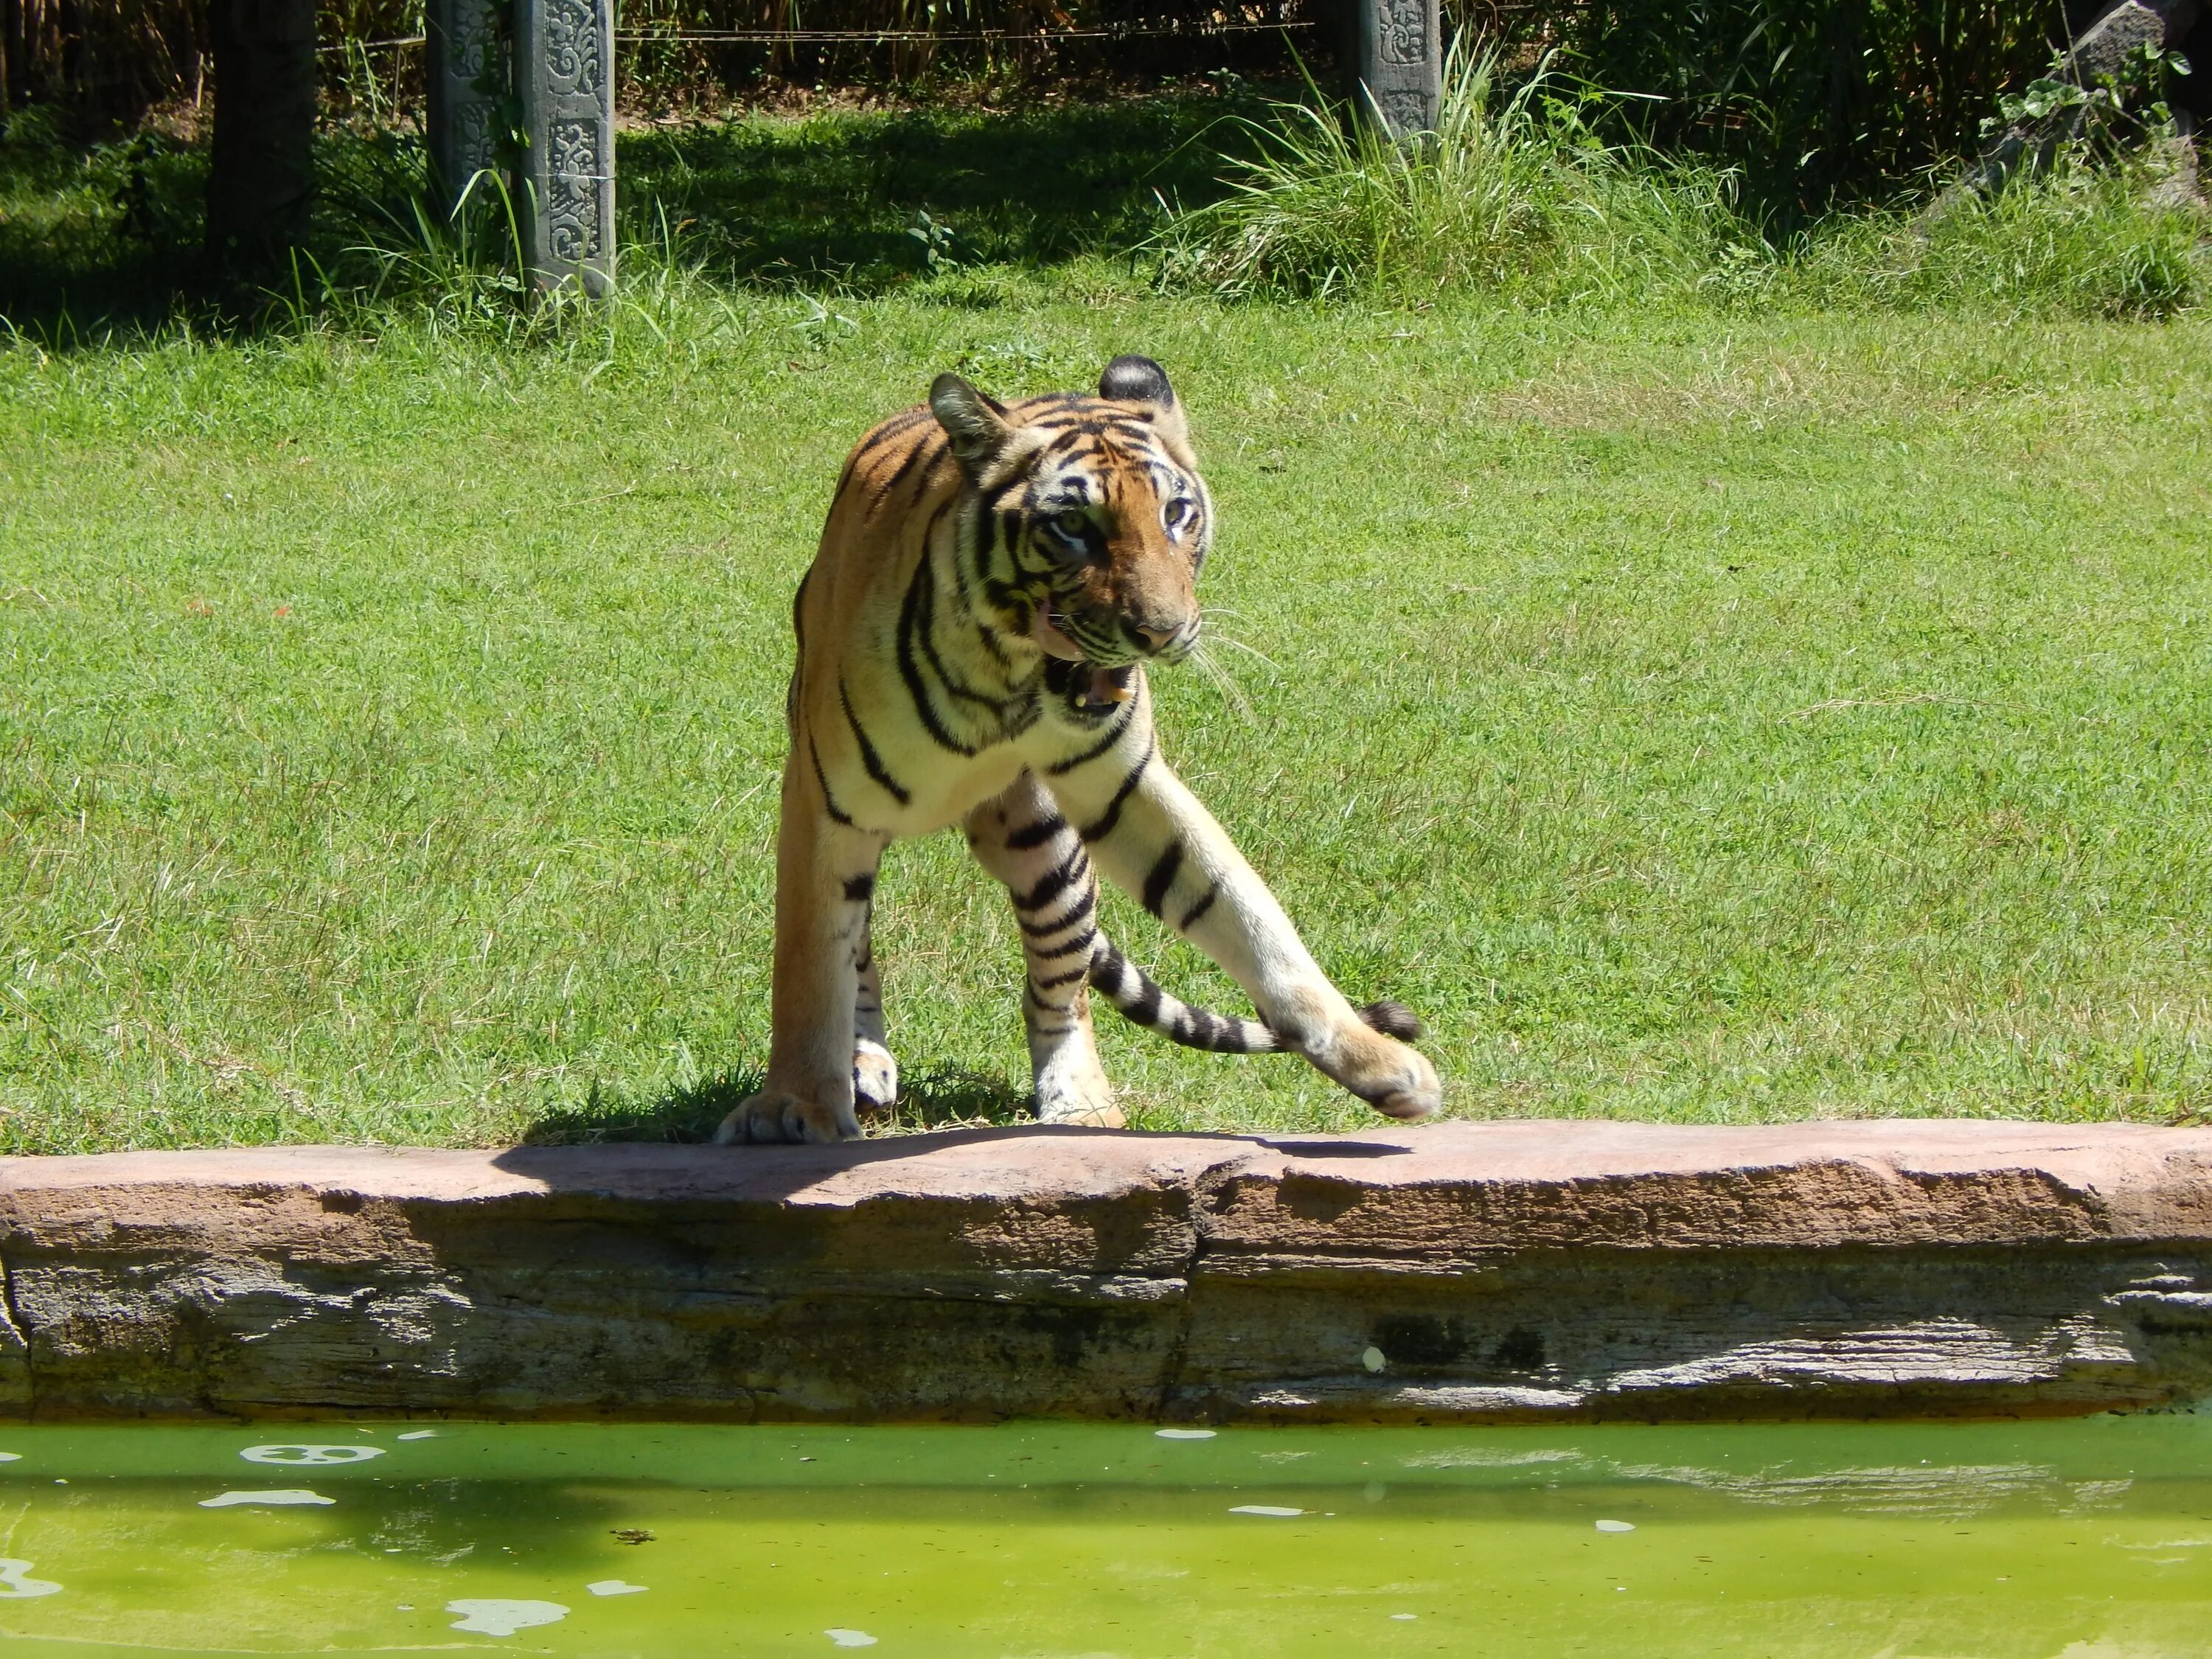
(1105, 686)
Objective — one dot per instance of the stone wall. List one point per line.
(1460, 1273)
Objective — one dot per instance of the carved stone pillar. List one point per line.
(564, 56)
(1397, 64)
(468, 73)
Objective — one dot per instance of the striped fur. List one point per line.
(973, 635)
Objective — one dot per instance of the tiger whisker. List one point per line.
(1231, 691)
(1224, 639)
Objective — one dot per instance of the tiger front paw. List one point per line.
(773, 1117)
(1394, 1079)
(1413, 1092)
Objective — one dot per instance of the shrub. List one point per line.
(1513, 191)
(1810, 99)
(2098, 241)
(1514, 194)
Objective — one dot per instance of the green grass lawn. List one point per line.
(1695, 716)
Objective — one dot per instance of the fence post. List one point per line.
(564, 53)
(1397, 64)
(466, 76)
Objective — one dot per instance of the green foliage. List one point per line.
(940, 245)
(2060, 120)
(1811, 99)
(33, 149)
(97, 232)
(2090, 239)
(1514, 195)
(2076, 208)
(2110, 106)
(1513, 192)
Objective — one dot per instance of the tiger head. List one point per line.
(1091, 520)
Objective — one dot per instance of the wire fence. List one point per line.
(1200, 29)
(114, 60)
(668, 49)
(117, 59)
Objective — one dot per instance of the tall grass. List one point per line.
(455, 280)
(1516, 194)
(2093, 240)
(1513, 191)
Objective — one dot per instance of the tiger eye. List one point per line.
(1072, 523)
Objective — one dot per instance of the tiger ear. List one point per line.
(976, 423)
(1133, 379)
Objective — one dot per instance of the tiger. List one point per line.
(992, 583)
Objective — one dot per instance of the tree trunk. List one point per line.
(68, 25)
(262, 178)
(14, 61)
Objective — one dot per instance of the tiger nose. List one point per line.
(1155, 637)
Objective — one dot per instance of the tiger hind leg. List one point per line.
(875, 1073)
(1019, 836)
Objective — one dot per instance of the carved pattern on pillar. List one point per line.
(575, 63)
(1398, 59)
(564, 51)
(574, 233)
(468, 74)
(1403, 26)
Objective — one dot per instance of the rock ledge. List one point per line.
(1490, 1271)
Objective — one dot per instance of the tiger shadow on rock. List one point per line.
(994, 582)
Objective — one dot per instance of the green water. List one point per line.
(2087, 1540)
